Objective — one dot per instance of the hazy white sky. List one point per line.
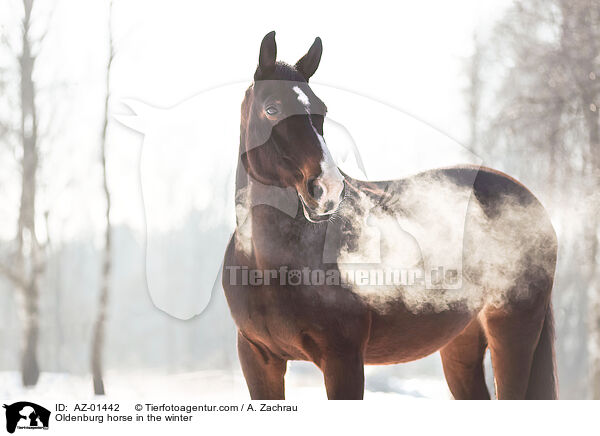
(407, 54)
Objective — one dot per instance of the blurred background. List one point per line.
(514, 81)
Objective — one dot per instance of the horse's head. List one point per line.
(282, 132)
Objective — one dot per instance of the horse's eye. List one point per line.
(271, 110)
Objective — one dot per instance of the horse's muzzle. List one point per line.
(329, 207)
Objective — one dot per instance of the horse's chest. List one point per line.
(282, 241)
(285, 317)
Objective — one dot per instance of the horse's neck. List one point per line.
(281, 207)
(279, 234)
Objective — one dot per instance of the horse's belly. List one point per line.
(404, 337)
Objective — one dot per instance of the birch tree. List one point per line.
(99, 325)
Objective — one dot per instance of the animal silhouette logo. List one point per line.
(26, 415)
(187, 171)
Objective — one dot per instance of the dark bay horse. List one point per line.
(299, 220)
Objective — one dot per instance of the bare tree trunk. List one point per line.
(592, 225)
(29, 264)
(474, 93)
(593, 278)
(99, 326)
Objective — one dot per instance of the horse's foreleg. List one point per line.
(462, 360)
(344, 376)
(264, 372)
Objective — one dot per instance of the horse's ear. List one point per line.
(309, 63)
(267, 56)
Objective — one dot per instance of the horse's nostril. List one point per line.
(329, 206)
(314, 189)
(317, 192)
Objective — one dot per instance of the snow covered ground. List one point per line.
(303, 382)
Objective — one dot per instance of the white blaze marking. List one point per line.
(302, 98)
(331, 180)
